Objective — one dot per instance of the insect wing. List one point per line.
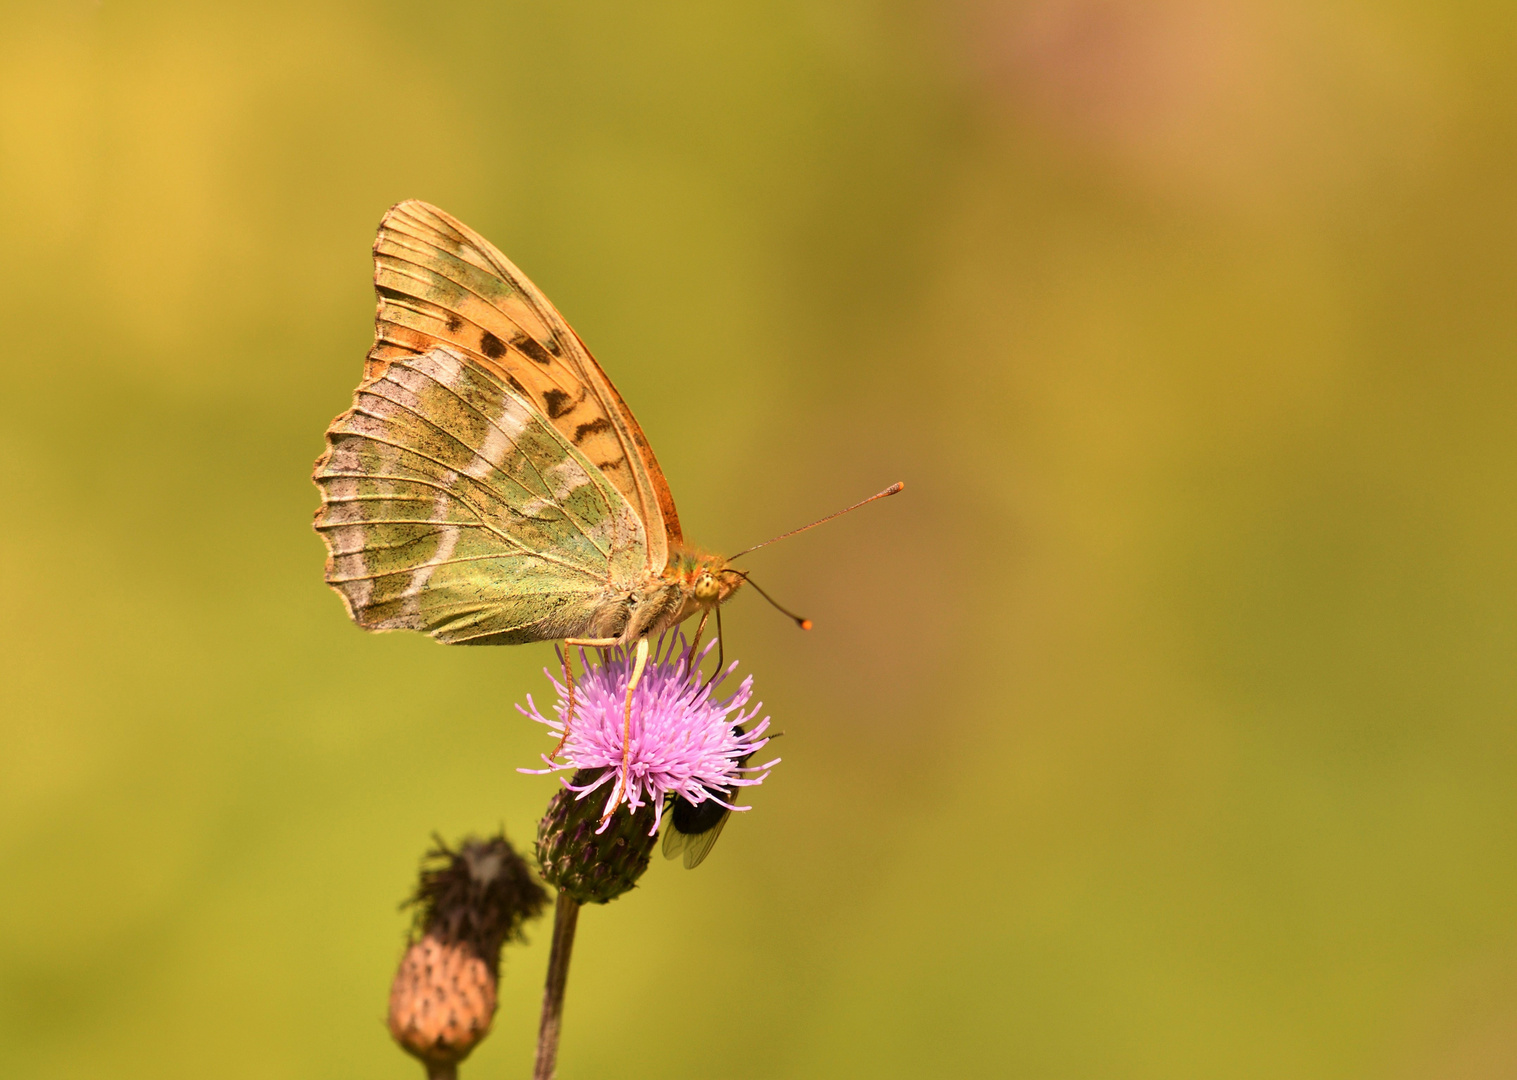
(440, 282)
(450, 505)
(674, 841)
(699, 845)
(693, 829)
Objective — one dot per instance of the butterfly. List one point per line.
(489, 486)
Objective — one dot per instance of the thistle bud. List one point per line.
(593, 866)
(467, 904)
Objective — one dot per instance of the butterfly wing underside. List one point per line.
(451, 505)
(439, 282)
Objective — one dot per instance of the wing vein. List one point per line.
(547, 427)
(478, 512)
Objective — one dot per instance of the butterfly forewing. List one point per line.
(451, 505)
(440, 282)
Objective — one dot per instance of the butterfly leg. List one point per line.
(721, 645)
(640, 660)
(569, 682)
(569, 712)
(695, 643)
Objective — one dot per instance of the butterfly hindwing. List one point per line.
(451, 505)
(439, 282)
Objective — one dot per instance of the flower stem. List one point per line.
(565, 918)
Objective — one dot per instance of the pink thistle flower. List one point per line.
(686, 742)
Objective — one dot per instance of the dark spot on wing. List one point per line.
(607, 466)
(518, 387)
(390, 294)
(600, 423)
(532, 349)
(454, 322)
(554, 347)
(558, 403)
(492, 346)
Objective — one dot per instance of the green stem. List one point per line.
(565, 918)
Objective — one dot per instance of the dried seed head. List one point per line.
(442, 1001)
(593, 866)
(468, 903)
(479, 895)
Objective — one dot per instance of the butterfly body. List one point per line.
(691, 584)
(488, 485)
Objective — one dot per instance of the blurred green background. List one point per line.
(1164, 728)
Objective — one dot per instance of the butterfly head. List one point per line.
(705, 578)
(707, 581)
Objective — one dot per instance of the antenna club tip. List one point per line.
(804, 624)
(895, 488)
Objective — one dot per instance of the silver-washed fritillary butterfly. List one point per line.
(489, 486)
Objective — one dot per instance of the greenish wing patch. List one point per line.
(451, 506)
(441, 283)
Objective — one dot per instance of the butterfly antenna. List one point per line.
(801, 621)
(891, 490)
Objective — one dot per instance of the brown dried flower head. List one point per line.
(468, 903)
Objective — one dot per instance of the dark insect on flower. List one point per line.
(468, 903)
(689, 750)
(694, 826)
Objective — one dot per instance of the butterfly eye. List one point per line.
(706, 587)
